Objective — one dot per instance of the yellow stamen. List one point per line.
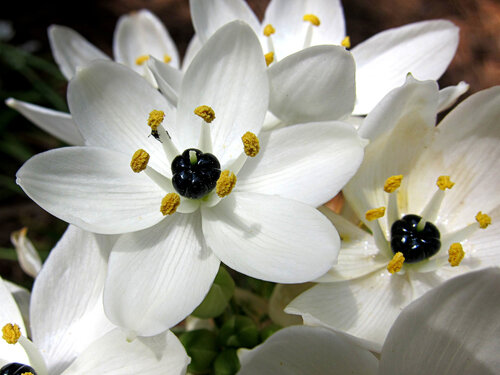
(269, 30)
(393, 183)
(269, 58)
(141, 59)
(167, 58)
(483, 219)
(11, 333)
(139, 161)
(205, 112)
(396, 263)
(455, 254)
(346, 42)
(155, 119)
(250, 144)
(444, 182)
(170, 203)
(225, 183)
(375, 213)
(311, 18)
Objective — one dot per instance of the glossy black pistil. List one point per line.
(15, 368)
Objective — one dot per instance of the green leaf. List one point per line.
(218, 296)
(226, 363)
(239, 331)
(201, 346)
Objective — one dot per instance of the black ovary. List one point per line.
(415, 245)
(195, 181)
(15, 368)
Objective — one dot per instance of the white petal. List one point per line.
(286, 16)
(364, 307)
(67, 313)
(315, 84)
(271, 238)
(193, 48)
(27, 255)
(22, 297)
(451, 330)
(210, 15)
(228, 74)
(114, 355)
(449, 95)
(423, 49)
(308, 350)
(158, 276)
(308, 162)
(142, 34)
(93, 188)
(71, 50)
(169, 79)
(57, 124)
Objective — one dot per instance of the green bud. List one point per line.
(226, 363)
(218, 296)
(239, 331)
(268, 331)
(201, 346)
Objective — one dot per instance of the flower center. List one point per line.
(415, 238)
(195, 173)
(15, 368)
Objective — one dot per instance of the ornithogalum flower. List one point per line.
(69, 332)
(193, 187)
(428, 196)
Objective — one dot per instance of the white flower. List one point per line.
(451, 330)
(70, 333)
(361, 296)
(266, 228)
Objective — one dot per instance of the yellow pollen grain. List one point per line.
(170, 203)
(311, 18)
(455, 254)
(483, 219)
(393, 183)
(346, 42)
(225, 183)
(11, 333)
(141, 59)
(27, 373)
(444, 182)
(155, 119)
(205, 112)
(396, 263)
(251, 144)
(167, 58)
(375, 213)
(269, 58)
(269, 30)
(139, 161)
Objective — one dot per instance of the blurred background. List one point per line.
(28, 72)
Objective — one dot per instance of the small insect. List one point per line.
(156, 136)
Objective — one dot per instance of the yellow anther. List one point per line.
(205, 112)
(396, 263)
(11, 333)
(346, 42)
(393, 183)
(27, 373)
(455, 254)
(170, 203)
(141, 59)
(139, 161)
(375, 213)
(269, 30)
(269, 58)
(311, 18)
(250, 144)
(483, 219)
(225, 183)
(155, 119)
(167, 58)
(444, 182)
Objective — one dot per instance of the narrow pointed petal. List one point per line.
(71, 50)
(66, 306)
(271, 238)
(228, 74)
(158, 276)
(308, 162)
(161, 354)
(57, 124)
(169, 79)
(451, 330)
(93, 188)
(193, 48)
(315, 84)
(449, 95)
(142, 34)
(424, 49)
(27, 255)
